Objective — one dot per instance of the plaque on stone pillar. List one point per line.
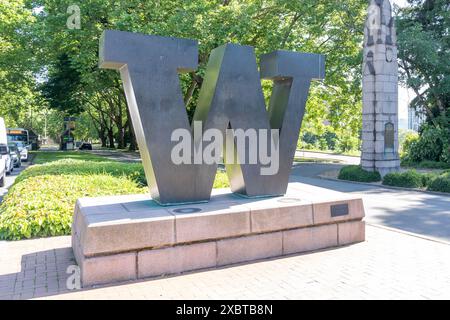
(389, 137)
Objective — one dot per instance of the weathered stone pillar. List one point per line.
(380, 91)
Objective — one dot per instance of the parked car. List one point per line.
(3, 148)
(15, 155)
(85, 146)
(4, 152)
(9, 161)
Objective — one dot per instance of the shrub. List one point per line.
(331, 139)
(441, 183)
(408, 179)
(406, 139)
(426, 164)
(432, 145)
(347, 143)
(356, 173)
(413, 179)
(428, 178)
(221, 180)
(43, 205)
(309, 138)
(323, 145)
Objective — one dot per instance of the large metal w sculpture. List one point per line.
(230, 97)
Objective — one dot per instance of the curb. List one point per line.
(327, 153)
(387, 187)
(408, 233)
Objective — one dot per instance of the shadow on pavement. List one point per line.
(418, 212)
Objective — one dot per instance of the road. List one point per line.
(427, 214)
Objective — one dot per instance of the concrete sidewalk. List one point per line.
(389, 265)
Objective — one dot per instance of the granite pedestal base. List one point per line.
(130, 237)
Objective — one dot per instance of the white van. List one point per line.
(4, 152)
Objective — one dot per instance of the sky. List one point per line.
(400, 3)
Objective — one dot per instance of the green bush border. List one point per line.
(411, 179)
(358, 174)
(408, 179)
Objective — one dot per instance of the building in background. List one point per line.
(415, 119)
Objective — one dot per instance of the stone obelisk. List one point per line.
(380, 91)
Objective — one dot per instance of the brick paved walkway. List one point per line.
(389, 265)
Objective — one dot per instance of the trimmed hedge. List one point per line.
(356, 173)
(428, 178)
(43, 205)
(408, 179)
(132, 171)
(441, 183)
(414, 179)
(42, 199)
(433, 144)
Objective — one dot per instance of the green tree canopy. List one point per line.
(68, 58)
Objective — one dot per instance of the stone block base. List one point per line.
(131, 237)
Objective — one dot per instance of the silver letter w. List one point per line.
(231, 96)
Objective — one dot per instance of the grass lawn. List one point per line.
(50, 156)
(353, 153)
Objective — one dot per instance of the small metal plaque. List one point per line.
(339, 210)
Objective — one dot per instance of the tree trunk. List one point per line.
(103, 141)
(119, 123)
(133, 143)
(102, 137)
(121, 138)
